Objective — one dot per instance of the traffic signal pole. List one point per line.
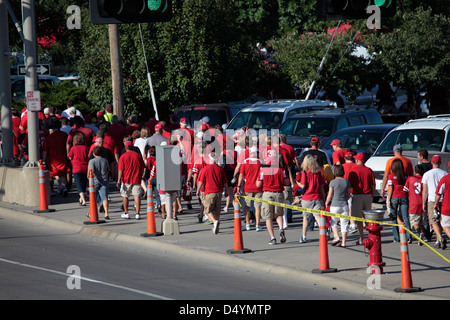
(5, 87)
(31, 82)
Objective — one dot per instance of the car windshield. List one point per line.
(216, 117)
(257, 120)
(308, 127)
(357, 140)
(412, 140)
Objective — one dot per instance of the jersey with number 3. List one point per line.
(413, 186)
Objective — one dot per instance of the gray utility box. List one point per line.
(168, 167)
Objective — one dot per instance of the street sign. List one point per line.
(41, 69)
(33, 100)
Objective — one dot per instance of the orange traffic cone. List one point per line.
(43, 202)
(151, 224)
(93, 213)
(407, 285)
(324, 266)
(238, 240)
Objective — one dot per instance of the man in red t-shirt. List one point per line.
(339, 152)
(272, 180)
(413, 186)
(249, 173)
(363, 184)
(88, 133)
(215, 181)
(443, 190)
(130, 169)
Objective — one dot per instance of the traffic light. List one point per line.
(352, 9)
(129, 11)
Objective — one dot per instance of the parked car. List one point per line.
(218, 113)
(364, 138)
(271, 114)
(18, 85)
(431, 133)
(299, 129)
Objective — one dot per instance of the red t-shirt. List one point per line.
(88, 134)
(79, 156)
(151, 165)
(349, 174)
(117, 132)
(55, 146)
(313, 182)
(398, 191)
(272, 179)
(250, 170)
(288, 153)
(413, 186)
(365, 180)
(339, 156)
(213, 177)
(132, 165)
(443, 190)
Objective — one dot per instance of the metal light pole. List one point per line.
(31, 81)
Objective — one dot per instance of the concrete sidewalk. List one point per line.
(291, 259)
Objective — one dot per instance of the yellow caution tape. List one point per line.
(336, 215)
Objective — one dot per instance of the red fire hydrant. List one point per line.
(373, 243)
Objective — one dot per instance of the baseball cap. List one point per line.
(205, 119)
(158, 126)
(128, 144)
(335, 141)
(315, 140)
(183, 121)
(397, 147)
(253, 150)
(359, 156)
(348, 154)
(100, 113)
(436, 159)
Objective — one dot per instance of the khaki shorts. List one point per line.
(418, 218)
(430, 208)
(288, 194)
(248, 202)
(127, 189)
(360, 202)
(269, 211)
(212, 203)
(445, 221)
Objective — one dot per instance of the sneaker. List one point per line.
(189, 206)
(216, 227)
(302, 239)
(101, 209)
(437, 244)
(125, 216)
(138, 216)
(352, 229)
(443, 243)
(247, 227)
(421, 237)
(282, 236)
(200, 219)
(273, 241)
(258, 228)
(207, 221)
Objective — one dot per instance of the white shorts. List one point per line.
(344, 222)
(445, 221)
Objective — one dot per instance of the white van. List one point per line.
(431, 133)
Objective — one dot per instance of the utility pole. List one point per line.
(5, 86)
(31, 81)
(116, 70)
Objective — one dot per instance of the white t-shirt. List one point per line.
(431, 179)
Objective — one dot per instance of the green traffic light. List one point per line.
(154, 5)
(383, 3)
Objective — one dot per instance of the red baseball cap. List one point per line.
(359, 156)
(128, 144)
(315, 140)
(183, 121)
(436, 159)
(158, 126)
(335, 141)
(348, 154)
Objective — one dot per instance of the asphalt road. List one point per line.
(44, 263)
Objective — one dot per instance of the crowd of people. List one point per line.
(216, 165)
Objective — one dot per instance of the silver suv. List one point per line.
(431, 133)
(271, 114)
